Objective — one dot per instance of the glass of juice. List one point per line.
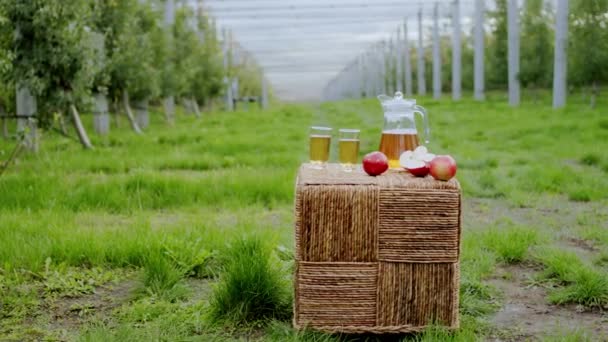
(348, 148)
(320, 139)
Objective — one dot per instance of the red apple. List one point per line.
(443, 168)
(417, 168)
(375, 163)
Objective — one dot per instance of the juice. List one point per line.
(349, 151)
(395, 142)
(319, 148)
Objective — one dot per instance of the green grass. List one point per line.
(251, 288)
(162, 279)
(582, 283)
(590, 159)
(172, 204)
(571, 336)
(511, 244)
(589, 287)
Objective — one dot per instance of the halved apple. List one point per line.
(417, 168)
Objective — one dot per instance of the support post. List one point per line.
(407, 65)
(26, 122)
(227, 84)
(513, 55)
(479, 83)
(436, 54)
(399, 62)
(420, 73)
(456, 54)
(101, 115)
(264, 99)
(169, 21)
(561, 57)
(383, 67)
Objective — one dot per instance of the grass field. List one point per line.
(185, 233)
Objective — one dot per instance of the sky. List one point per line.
(303, 44)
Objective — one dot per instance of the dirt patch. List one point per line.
(554, 212)
(200, 289)
(582, 248)
(581, 244)
(526, 314)
(71, 313)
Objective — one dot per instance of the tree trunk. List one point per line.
(125, 100)
(5, 128)
(142, 116)
(208, 107)
(11, 158)
(187, 105)
(594, 91)
(197, 110)
(169, 107)
(82, 133)
(116, 111)
(4, 120)
(62, 125)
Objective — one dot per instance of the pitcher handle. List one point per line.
(425, 117)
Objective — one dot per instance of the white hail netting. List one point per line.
(302, 45)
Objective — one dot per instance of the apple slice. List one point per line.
(417, 168)
(405, 157)
(422, 153)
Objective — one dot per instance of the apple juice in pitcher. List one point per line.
(394, 142)
(399, 133)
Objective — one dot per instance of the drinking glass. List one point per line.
(320, 139)
(349, 148)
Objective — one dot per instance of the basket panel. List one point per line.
(337, 223)
(336, 294)
(417, 294)
(419, 225)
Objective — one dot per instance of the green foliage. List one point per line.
(496, 60)
(61, 281)
(537, 47)
(63, 50)
(46, 45)
(251, 289)
(130, 47)
(199, 64)
(588, 50)
(191, 256)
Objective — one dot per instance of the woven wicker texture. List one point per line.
(336, 294)
(418, 225)
(375, 254)
(338, 224)
(416, 294)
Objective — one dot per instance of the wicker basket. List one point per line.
(375, 254)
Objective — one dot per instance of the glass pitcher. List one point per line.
(400, 133)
